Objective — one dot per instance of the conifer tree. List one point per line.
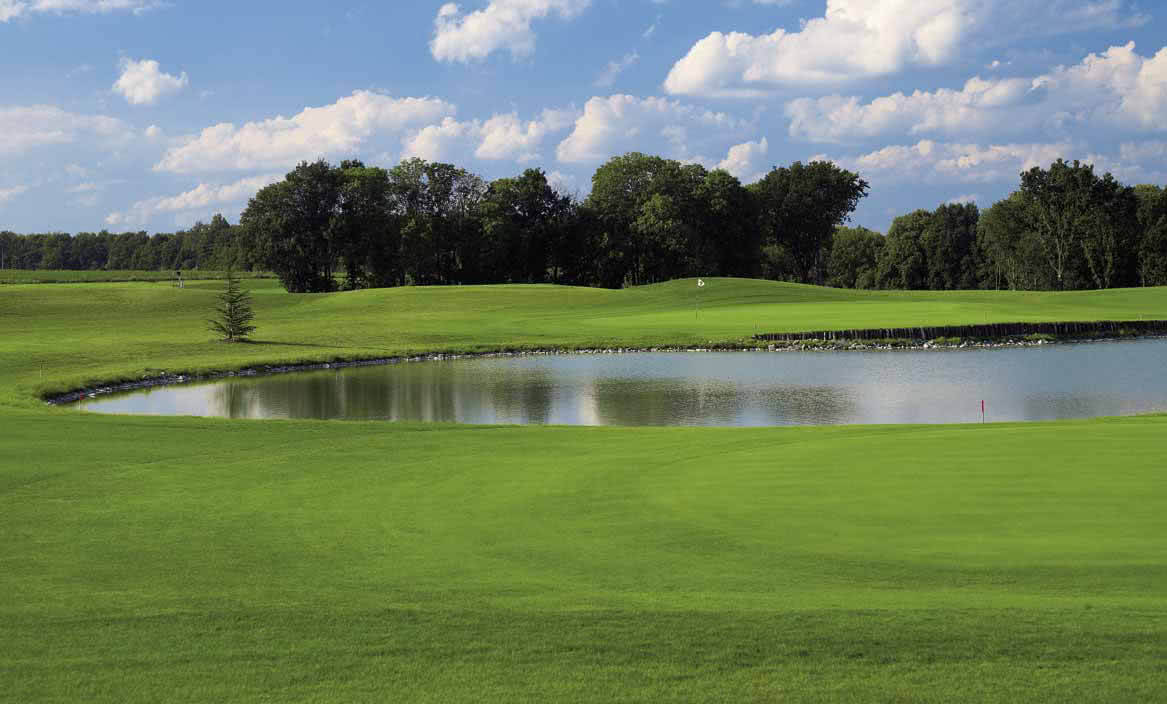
(233, 313)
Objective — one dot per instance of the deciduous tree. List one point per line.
(799, 208)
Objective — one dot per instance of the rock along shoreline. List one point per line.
(809, 344)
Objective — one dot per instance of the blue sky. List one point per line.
(138, 114)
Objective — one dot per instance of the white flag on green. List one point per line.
(700, 283)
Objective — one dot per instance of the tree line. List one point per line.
(647, 219)
(216, 246)
(1064, 228)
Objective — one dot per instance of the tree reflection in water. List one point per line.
(732, 389)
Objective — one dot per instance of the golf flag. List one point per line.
(700, 283)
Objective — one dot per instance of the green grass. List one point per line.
(47, 276)
(180, 559)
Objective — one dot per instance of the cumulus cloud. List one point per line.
(858, 38)
(507, 137)
(621, 123)
(1118, 88)
(203, 196)
(747, 161)
(433, 142)
(501, 25)
(143, 82)
(314, 132)
(502, 136)
(7, 194)
(956, 163)
(25, 127)
(12, 9)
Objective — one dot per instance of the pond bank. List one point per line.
(1098, 329)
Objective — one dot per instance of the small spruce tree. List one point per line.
(233, 313)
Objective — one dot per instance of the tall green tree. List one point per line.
(292, 221)
(799, 208)
(645, 206)
(903, 260)
(854, 258)
(1152, 219)
(727, 239)
(522, 220)
(1011, 254)
(1085, 224)
(437, 205)
(949, 244)
(367, 238)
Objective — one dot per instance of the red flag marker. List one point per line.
(982, 411)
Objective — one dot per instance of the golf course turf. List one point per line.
(183, 559)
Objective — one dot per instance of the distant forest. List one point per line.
(647, 219)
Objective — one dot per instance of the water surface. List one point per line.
(707, 388)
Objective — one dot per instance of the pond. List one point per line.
(698, 388)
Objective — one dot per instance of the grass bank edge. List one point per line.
(58, 392)
(553, 319)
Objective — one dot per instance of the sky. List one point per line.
(142, 114)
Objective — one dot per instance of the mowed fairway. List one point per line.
(178, 559)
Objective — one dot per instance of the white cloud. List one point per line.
(314, 132)
(975, 106)
(503, 136)
(203, 196)
(502, 24)
(1131, 88)
(929, 161)
(621, 123)
(7, 194)
(747, 161)
(25, 127)
(12, 9)
(1117, 88)
(615, 68)
(506, 137)
(143, 82)
(433, 142)
(860, 38)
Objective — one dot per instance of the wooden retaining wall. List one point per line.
(989, 331)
